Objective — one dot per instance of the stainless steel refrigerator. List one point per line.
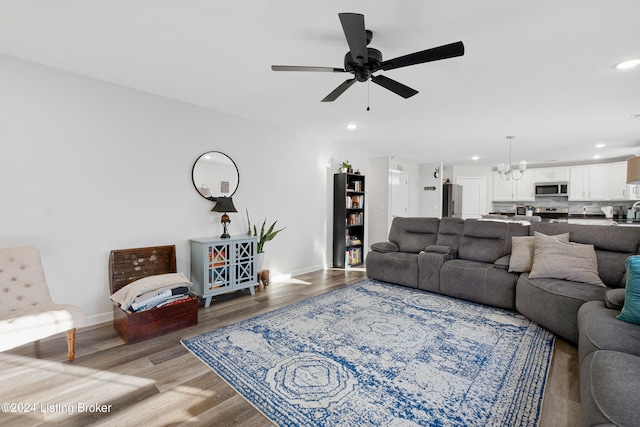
(451, 200)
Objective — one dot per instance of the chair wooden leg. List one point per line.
(71, 344)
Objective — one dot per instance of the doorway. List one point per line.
(474, 196)
(398, 194)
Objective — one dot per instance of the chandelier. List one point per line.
(505, 171)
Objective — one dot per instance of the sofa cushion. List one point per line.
(556, 259)
(38, 321)
(450, 232)
(600, 330)
(631, 309)
(486, 241)
(609, 389)
(478, 282)
(554, 303)
(400, 268)
(413, 235)
(522, 250)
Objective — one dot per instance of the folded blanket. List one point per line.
(159, 297)
(126, 295)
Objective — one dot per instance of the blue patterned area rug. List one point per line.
(374, 354)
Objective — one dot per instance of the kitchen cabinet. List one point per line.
(589, 183)
(550, 174)
(618, 187)
(522, 190)
(503, 190)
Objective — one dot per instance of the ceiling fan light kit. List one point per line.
(363, 61)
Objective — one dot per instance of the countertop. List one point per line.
(593, 219)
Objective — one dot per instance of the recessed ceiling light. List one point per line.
(628, 64)
(600, 145)
(352, 126)
(475, 157)
(597, 156)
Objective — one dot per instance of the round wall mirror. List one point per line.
(214, 174)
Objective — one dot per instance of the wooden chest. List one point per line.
(128, 265)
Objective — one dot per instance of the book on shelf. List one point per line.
(354, 219)
(353, 256)
(354, 186)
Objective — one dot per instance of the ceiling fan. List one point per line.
(363, 61)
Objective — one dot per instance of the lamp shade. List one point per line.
(224, 204)
(633, 170)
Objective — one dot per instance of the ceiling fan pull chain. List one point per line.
(368, 92)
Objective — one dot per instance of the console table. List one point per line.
(223, 265)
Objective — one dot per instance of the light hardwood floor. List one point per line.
(159, 383)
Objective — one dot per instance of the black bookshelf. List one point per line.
(348, 220)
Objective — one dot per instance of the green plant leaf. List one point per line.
(264, 236)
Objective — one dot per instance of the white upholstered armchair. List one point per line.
(26, 311)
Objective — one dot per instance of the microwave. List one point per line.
(552, 189)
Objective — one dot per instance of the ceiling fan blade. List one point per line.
(394, 86)
(435, 54)
(339, 90)
(356, 34)
(303, 68)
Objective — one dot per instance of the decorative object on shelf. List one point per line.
(214, 175)
(345, 167)
(633, 170)
(224, 204)
(505, 171)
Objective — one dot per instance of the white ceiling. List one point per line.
(540, 70)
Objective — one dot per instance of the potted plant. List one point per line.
(263, 237)
(345, 166)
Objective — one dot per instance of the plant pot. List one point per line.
(260, 262)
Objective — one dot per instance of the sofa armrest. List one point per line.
(440, 249)
(385, 247)
(502, 262)
(614, 298)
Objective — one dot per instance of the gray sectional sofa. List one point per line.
(472, 260)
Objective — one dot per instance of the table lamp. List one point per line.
(224, 205)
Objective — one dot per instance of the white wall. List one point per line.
(430, 200)
(379, 216)
(378, 203)
(87, 167)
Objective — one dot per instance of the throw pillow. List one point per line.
(631, 309)
(522, 250)
(555, 259)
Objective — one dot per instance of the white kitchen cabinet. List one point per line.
(589, 182)
(618, 187)
(503, 191)
(522, 190)
(525, 188)
(550, 174)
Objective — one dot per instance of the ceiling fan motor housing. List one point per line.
(363, 73)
